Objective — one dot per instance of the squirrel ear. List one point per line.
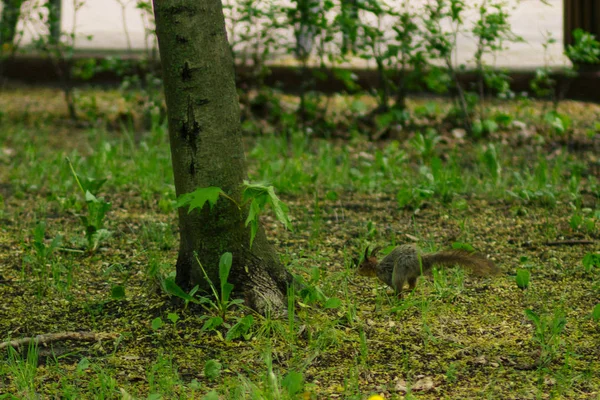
(366, 253)
(375, 251)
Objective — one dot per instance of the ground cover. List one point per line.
(525, 197)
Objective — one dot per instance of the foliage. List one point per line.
(596, 313)
(97, 208)
(212, 369)
(410, 47)
(548, 331)
(60, 49)
(256, 195)
(43, 251)
(522, 278)
(585, 49)
(199, 197)
(591, 260)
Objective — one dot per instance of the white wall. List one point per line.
(531, 19)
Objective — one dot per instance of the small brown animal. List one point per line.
(406, 264)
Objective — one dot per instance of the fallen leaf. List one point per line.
(459, 133)
(400, 386)
(424, 385)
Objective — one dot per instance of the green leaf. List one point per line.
(157, 323)
(91, 184)
(39, 232)
(255, 207)
(489, 126)
(348, 78)
(596, 312)
(315, 274)
(491, 161)
(174, 290)
(226, 290)
(225, 263)
(212, 395)
(293, 383)
(55, 243)
(437, 168)
(97, 209)
(281, 210)
(358, 107)
(591, 260)
(95, 237)
(117, 292)
(212, 323)
(212, 369)
(384, 120)
(90, 198)
(462, 246)
(240, 328)
(253, 230)
(332, 196)
(173, 317)
(199, 197)
(522, 278)
(254, 211)
(83, 364)
(259, 195)
(206, 300)
(533, 317)
(332, 302)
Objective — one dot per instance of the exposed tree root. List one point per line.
(44, 339)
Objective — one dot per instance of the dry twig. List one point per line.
(55, 337)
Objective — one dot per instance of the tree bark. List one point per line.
(11, 11)
(206, 149)
(54, 20)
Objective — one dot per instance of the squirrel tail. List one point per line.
(476, 263)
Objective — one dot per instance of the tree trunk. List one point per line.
(11, 11)
(206, 148)
(54, 20)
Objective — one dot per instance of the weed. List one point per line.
(163, 377)
(158, 234)
(448, 283)
(24, 370)
(522, 278)
(42, 251)
(97, 208)
(212, 369)
(591, 261)
(547, 333)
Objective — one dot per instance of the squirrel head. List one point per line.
(368, 266)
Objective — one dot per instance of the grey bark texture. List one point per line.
(206, 148)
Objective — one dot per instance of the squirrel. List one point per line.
(406, 264)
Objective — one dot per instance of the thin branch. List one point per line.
(44, 339)
(569, 242)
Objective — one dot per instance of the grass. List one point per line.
(455, 336)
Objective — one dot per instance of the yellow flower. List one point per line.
(376, 397)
